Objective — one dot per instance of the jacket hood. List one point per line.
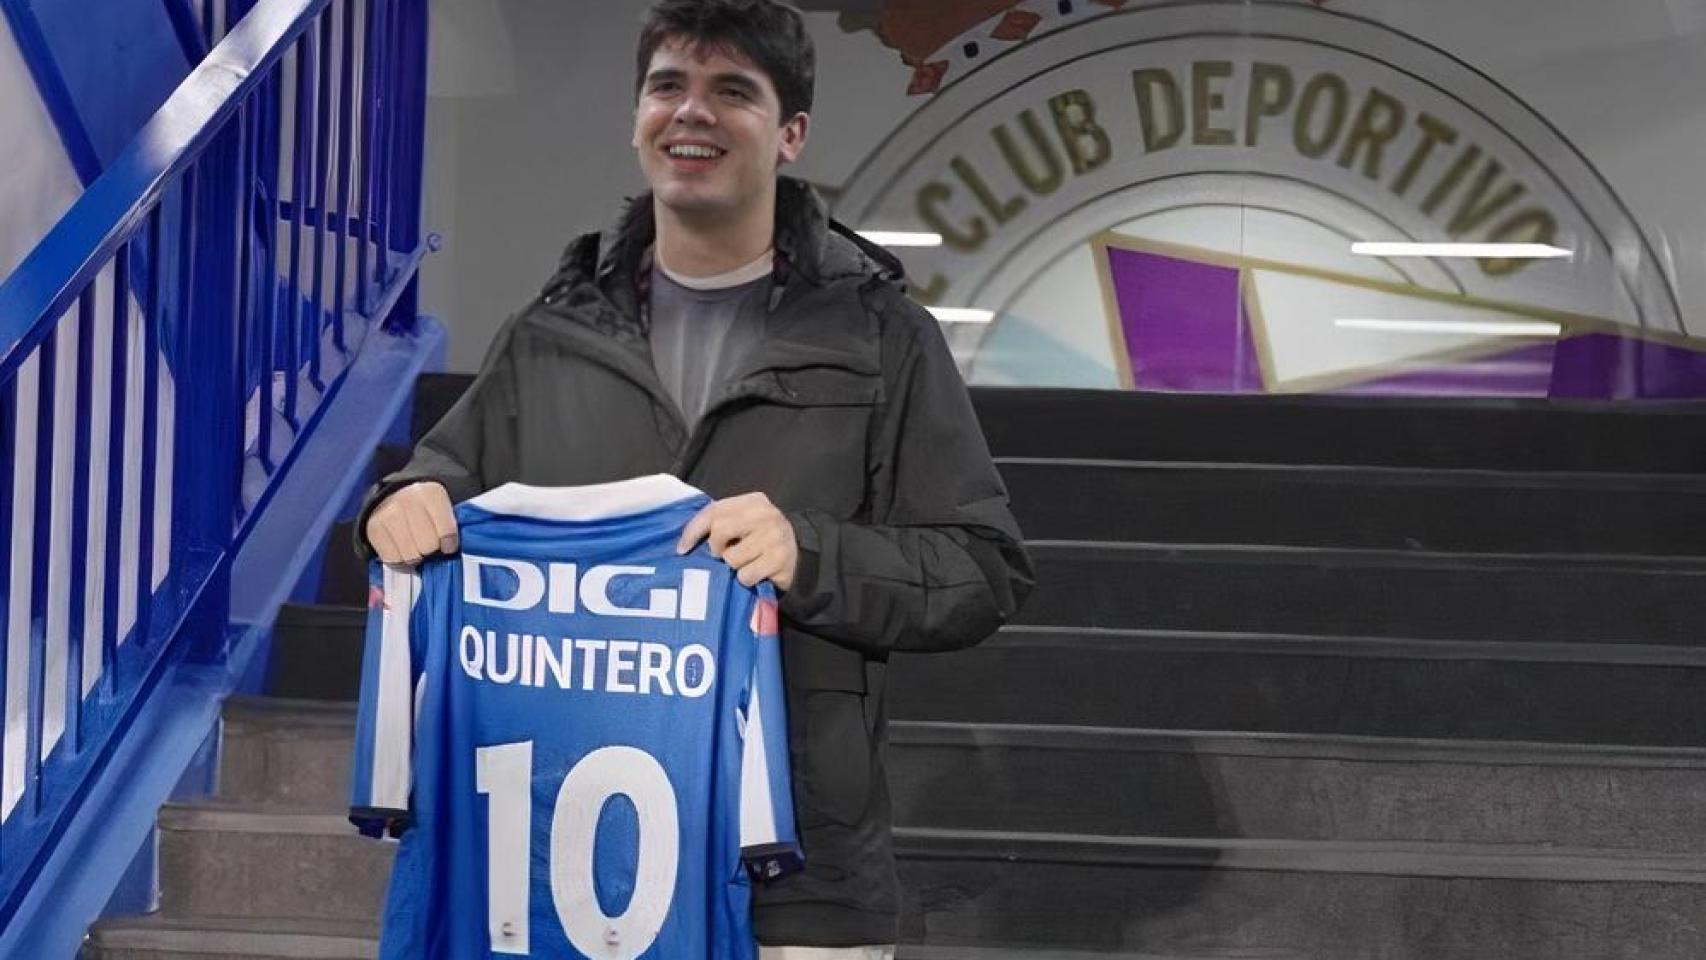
(812, 244)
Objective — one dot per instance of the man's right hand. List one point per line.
(413, 523)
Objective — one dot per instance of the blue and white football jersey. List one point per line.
(578, 734)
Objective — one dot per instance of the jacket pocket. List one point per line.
(830, 387)
(838, 762)
(828, 732)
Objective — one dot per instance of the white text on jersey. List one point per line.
(558, 586)
(613, 666)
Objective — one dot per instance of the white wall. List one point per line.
(37, 183)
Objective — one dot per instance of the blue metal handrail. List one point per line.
(165, 351)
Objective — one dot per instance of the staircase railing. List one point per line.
(164, 352)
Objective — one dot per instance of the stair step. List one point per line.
(160, 937)
(1325, 901)
(1162, 783)
(919, 951)
(1358, 507)
(1182, 783)
(1335, 592)
(287, 752)
(1481, 434)
(316, 652)
(1485, 434)
(223, 861)
(1363, 687)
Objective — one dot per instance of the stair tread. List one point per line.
(289, 711)
(914, 951)
(1291, 745)
(1286, 554)
(1376, 857)
(340, 716)
(309, 939)
(256, 818)
(1383, 474)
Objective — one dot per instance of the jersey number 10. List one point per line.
(505, 774)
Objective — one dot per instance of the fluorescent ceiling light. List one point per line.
(893, 238)
(1491, 328)
(961, 315)
(1484, 251)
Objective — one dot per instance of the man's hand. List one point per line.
(413, 523)
(750, 535)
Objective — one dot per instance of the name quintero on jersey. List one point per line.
(639, 667)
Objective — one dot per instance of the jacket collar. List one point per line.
(812, 246)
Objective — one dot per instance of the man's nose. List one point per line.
(695, 110)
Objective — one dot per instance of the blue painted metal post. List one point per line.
(410, 149)
(346, 102)
(246, 198)
(153, 315)
(299, 196)
(210, 435)
(373, 109)
(82, 486)
(268, 125)
(322, 46)
(188, 32)
(8, 471)
(47, 357)
(111, 582)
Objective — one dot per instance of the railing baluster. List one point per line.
(180, 412)
(245, 284)
(151, 315)
(112, 582)
(82, 486)
(9, 427)
(298, 201)
(269, 122)
(345, 99)
(41, 547)
(370, 110)
(382, 158)
(322, 157)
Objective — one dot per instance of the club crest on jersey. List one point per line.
(563, 588)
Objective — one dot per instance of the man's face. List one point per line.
(709, 131)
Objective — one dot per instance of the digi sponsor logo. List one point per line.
(564, 588)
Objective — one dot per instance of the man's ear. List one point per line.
(794, 134)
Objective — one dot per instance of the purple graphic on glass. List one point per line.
(1187, 330)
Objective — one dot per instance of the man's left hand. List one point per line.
(749, 534)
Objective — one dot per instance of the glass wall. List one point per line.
(1449, 198)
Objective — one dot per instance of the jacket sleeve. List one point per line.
(470, 450)
(943, 564)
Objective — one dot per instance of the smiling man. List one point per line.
(727, 331)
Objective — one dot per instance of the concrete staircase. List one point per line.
(1301, 679)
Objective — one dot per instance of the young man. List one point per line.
(727, 332)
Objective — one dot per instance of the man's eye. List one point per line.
(737, 93)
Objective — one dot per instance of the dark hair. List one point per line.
(770, 33)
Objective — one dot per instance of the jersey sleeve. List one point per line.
(382, 774)
(769, 844)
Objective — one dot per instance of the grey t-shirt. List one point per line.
(700, 337)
